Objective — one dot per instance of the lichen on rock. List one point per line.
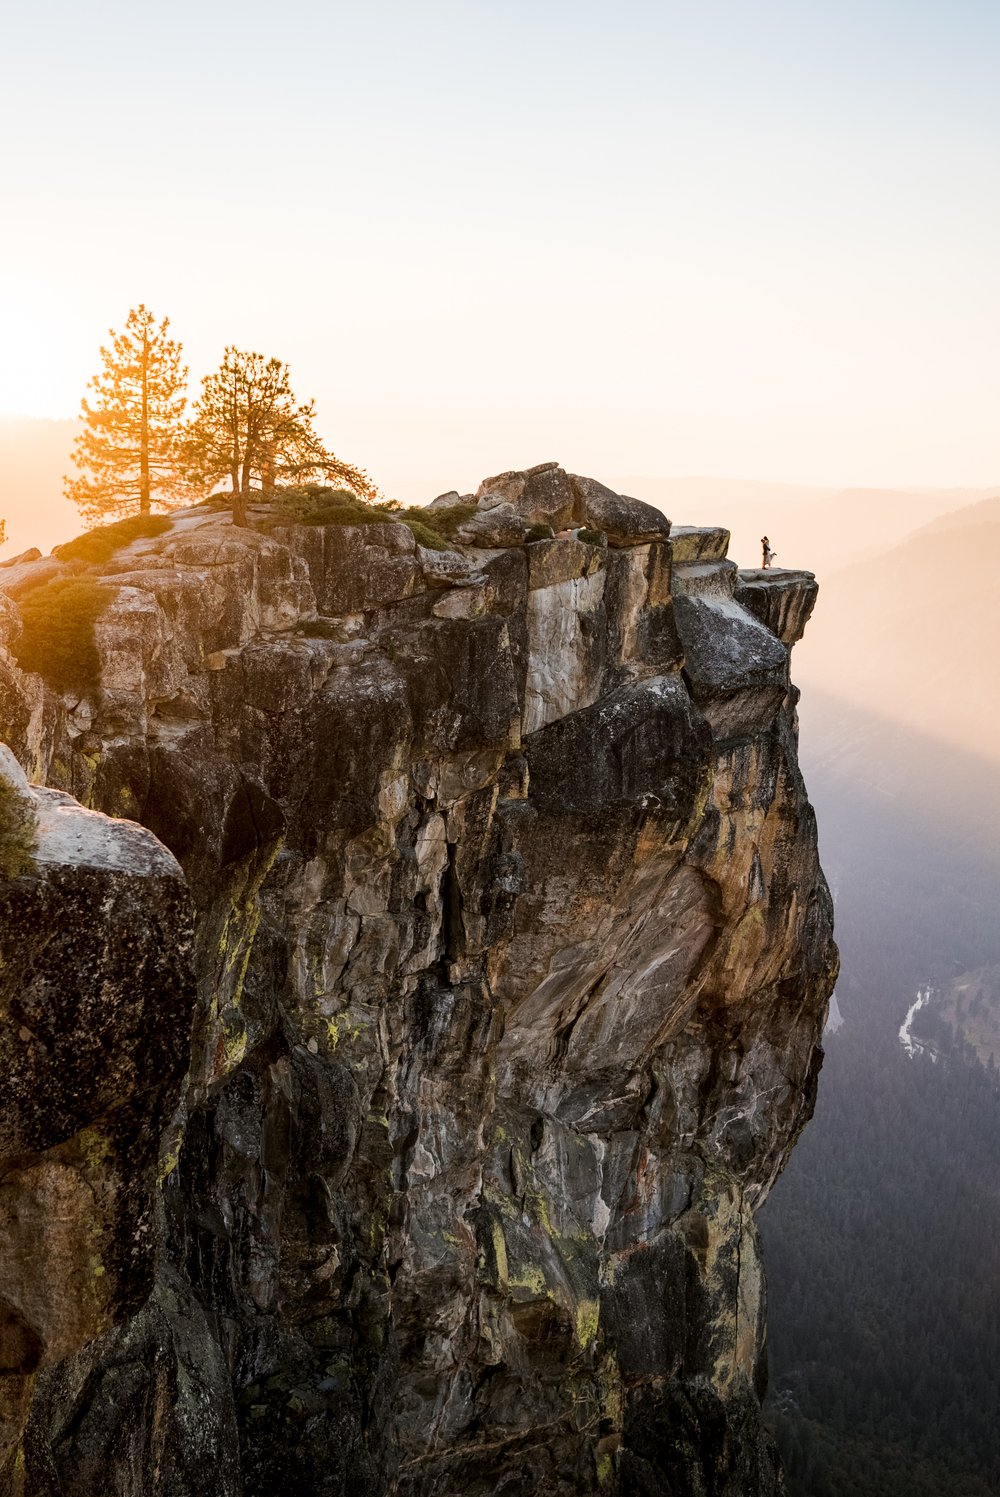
(426, 1160)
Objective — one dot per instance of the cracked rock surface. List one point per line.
(422, 961)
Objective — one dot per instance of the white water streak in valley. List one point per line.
(910, 1045)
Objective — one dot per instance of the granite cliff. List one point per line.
(411, 988)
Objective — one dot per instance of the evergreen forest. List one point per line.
(882, 1238)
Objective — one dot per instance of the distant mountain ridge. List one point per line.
(985, 512)
(817, 528)
(910, 634)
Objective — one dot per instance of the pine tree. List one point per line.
(248, 429)
(128, 449)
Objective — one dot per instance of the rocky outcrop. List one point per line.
(511, 953)
(96, 1000)
(782, 600)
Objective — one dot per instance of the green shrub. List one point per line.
(17, 832)
(96, 546)
(424, 536)
(57, 641)
(442, 522)
(312, 504)
(539, 532)
(592, 537)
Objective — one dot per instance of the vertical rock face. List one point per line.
(512, 954)
(96, 1000)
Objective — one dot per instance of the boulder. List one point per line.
(499, 525)
(698, 543)
(16, 580)
(558, 560)
(542, 495)
(625, 521)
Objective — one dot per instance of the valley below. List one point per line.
(881, 1237)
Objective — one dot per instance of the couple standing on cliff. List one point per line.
(769, 555)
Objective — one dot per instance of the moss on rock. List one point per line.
(97, 546)
(17, 832)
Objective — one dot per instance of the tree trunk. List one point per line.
(144, 496)
(268, 469)
(234, 455)
(239, 497)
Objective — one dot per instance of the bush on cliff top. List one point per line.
(98, 545)
(312, 504)
(424, 535)
(443, 522)
(57, 641)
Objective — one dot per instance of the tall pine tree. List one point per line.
(128, 450)
(249, 430)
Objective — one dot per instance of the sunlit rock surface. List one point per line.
(512, 955)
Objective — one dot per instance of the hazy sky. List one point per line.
(722, 236)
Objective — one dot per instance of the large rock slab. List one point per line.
(355, 568)
(18, 578)
(499, 525)
(625, 521)
(561, 560)
(703, 579)
(783, 600)
(698, 543)
(737, 668)
(567, 647)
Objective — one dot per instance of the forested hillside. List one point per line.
(882, 1238)
(884, 1269)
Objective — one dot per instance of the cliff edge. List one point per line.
(412, 985)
